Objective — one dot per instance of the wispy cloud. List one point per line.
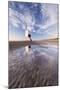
(36, 18)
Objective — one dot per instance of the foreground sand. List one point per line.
(35, 68)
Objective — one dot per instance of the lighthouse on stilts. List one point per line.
(27, 36)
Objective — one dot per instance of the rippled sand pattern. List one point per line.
(35, 67)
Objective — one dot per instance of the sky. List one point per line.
(40, 19)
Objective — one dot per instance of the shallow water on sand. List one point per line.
(33, 66)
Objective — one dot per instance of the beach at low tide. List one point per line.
(33, 65)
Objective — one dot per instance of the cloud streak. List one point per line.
(36, 18)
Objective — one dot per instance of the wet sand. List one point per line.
(17, 44)
(33, 66)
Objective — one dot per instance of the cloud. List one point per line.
(51, 10)
(13, 18)
(17, 19)
(25, 17)
(50, 25)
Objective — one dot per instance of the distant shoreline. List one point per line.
(17, 44)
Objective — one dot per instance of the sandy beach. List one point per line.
(35, 67)
(17, 44)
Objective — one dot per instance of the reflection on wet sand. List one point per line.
(33, 66)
